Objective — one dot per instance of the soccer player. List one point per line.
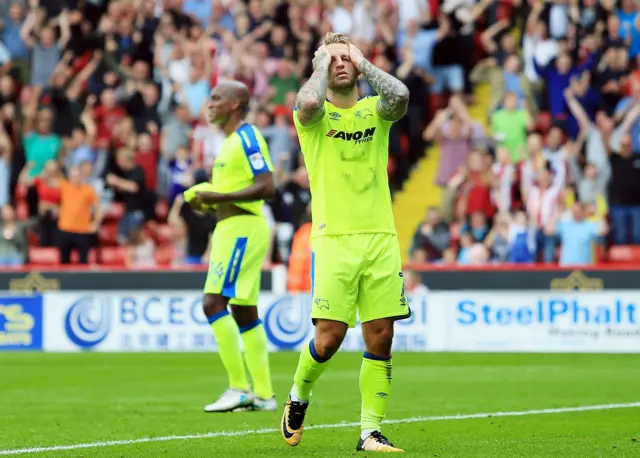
(242, 178)
(356, 256)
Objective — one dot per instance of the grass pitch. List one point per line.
(49, 400)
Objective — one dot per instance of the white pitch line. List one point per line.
(57, 448)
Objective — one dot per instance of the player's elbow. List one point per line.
(270, 191)
(308, 104)
(267, 189)
(403, 95)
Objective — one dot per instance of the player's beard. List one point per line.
(343, 84)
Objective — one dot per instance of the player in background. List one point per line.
(241, 180)
(356, 256)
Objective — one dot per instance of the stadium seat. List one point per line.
(112, 256)
(624, 254)
(108, 234)
(114, 212)
(75, 258)
(160, 233)
(42, 257)
(164, 256)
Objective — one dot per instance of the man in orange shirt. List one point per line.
(299, 275)
(80, 216)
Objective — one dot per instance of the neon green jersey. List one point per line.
(346, 154)
(243, 155)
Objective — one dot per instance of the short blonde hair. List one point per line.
(333, 38)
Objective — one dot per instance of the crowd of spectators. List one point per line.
(103, 125)
(553, 173)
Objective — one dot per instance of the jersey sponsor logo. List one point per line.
(359, 136)
(257, 161)
(364, 114)
(334, 116)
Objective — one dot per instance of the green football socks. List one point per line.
(256, 355)
(227, 334)
(375, 385)
(310, 368)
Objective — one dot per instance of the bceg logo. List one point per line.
(87, 322)
(287, 321)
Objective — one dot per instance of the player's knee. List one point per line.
(385, 335)
(327, 345)
(328, 338)
(212, 304)
(379, 338)
(244, 315)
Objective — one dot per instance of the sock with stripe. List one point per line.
(375, 385)
(310, 368)
(227, 334)
(256, 355)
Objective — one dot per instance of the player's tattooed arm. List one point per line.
(394, 95)
(311, 97)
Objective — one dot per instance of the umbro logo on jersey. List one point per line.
(364, 114)
(335, 116)
(357, 136)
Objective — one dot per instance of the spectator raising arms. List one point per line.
(118, 89)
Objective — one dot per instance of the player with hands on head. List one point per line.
(242, 178)
(356, 256)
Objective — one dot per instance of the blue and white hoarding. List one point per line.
(533, 321)
(174, 321)
(467, 321)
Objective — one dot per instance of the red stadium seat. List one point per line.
(112, 256)
(108, 234)
(75, 258)
(624, 254)
(114, 212)
(160, 233)
(164, 256)
(39, 256)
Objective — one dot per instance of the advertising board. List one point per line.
(467, 321)
(534, 321)
(174, 321)
(21, 323)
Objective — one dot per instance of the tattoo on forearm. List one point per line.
(311, 97)
(394, 95)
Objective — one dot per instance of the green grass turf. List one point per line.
(62, 399)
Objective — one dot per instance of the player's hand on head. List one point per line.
(355, 55)
(321, 57)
